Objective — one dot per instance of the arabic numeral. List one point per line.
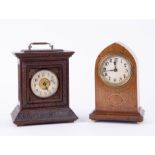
(105, 74)
(116, 59)
(114, 79)
(106, 63)
(104, 69)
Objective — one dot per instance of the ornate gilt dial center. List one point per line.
(44, 83)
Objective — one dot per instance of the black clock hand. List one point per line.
(115, 69)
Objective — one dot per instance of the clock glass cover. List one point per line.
(115, 70)
(44, 83)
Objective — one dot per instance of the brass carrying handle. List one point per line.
(40, 43)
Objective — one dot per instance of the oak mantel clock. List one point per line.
(116, 86)
(43, 87)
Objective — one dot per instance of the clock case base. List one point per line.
(117, 116)
(22, 117)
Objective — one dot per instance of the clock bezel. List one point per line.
(112, 54)
(44, 97)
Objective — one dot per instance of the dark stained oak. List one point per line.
(116, 103)
(32, 109)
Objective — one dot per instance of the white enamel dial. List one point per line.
(44, 83)
(115, 70)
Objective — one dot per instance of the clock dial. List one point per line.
(44, 83)
(115, 70)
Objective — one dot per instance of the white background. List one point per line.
(78, 9)
(87, 38)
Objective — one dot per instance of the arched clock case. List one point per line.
(116, 86)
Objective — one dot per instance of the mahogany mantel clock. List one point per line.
(116, 86)
(43, 87)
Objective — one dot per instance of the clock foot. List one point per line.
(23, 117)
(117, 116)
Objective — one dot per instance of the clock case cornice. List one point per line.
(43, 54)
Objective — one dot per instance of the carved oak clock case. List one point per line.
(43, 87)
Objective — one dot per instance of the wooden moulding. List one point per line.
(35, 116)
(117, 116)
